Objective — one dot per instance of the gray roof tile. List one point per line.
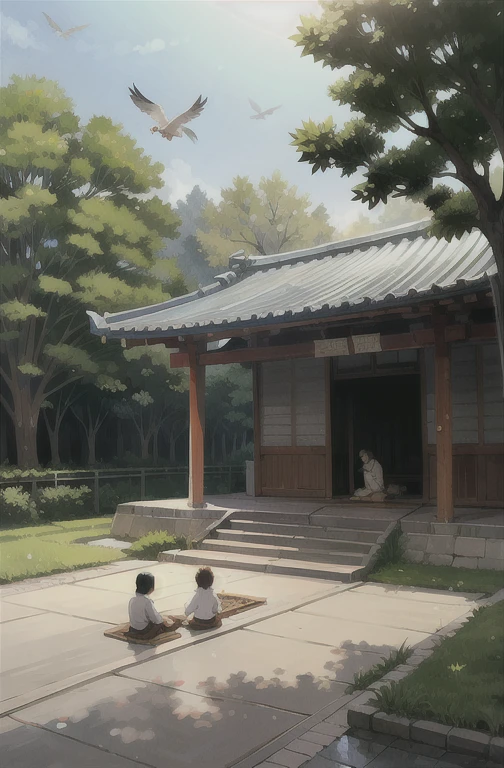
(330, 279)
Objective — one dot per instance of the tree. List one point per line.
(432, 70)
(153, 394)
(187, 252)
(76, 233)
(270, 218)
(395, 212)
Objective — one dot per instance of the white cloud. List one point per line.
(18, 34)
(179, 180)
(153, 46)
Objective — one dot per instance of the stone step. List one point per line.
(284, 529)
(290, 553)
(263, 516)
(336, 521)
(327, 571)
(301, 542)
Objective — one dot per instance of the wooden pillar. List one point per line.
(444, 451)
(196, 429)
(256, 389)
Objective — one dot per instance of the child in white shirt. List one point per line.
(145, 622)
(205, 605)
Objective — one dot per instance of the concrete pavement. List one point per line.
(212, 700)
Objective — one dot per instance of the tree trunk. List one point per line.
(144, 452)
(120, 440)
(173, 443)
(155, 446)
(25, 426)
(91, 440)
(54, 443)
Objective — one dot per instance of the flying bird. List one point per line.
(261, 114)
(168, 128)
(64, 34)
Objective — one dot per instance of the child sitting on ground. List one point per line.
(205, 605)
(145, 622)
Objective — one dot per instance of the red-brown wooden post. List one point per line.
(196, 429)
(444, 451)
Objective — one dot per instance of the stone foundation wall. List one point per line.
(139, 518)
(451, 544)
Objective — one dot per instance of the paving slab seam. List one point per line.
(79, 741)
(464, 740)
(9, 706)
(258, 756)
(364, 714)
(66, 577)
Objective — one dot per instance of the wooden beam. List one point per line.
(444, 453)
(196, 430)
(256, 394)
(389, 343)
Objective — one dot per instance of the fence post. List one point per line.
(97, 494)
(55, 479)
(33, 488)
(142, 484)
(230, 477)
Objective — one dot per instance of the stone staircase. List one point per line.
(334, 542)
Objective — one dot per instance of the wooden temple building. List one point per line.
(386, 342)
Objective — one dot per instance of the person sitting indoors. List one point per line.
(145, 622)
(204, 605)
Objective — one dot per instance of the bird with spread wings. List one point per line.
(168, 128)
(65, 34)
(261, 114)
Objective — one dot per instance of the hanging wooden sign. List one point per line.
(331, 347)
(369, 342)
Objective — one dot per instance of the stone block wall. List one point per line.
(463, 546)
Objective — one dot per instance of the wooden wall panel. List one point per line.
(465, 473)
(293, 475)
(494, 478)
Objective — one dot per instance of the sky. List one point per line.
(174, 50)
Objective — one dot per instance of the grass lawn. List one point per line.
(462, 683)
(439, 577)
(43, 549)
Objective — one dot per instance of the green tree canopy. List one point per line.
(269, 218)
(432, 71)
(77, 233)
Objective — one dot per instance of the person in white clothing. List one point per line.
(204, 605)
(145, 621)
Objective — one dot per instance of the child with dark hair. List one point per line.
(205, 605)
(145, 622)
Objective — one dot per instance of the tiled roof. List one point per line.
(337, 278)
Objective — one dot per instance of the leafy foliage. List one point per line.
(78, 232)
(64, 502)
(269, 218)
(461, 683)
(16, 506)
(396, 657)
(432, 73)
(391, 551)
(148, 547)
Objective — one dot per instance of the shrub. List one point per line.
(392, 550)
(363, 680)
(149, 546)
(17, 506)
(65, 502)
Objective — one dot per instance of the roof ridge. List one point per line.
(340, 246)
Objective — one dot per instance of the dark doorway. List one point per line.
(381, 414)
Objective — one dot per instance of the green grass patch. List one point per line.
(439, 577)
(462, 683)
(45, 549)
(149, 546)
(363, 680)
